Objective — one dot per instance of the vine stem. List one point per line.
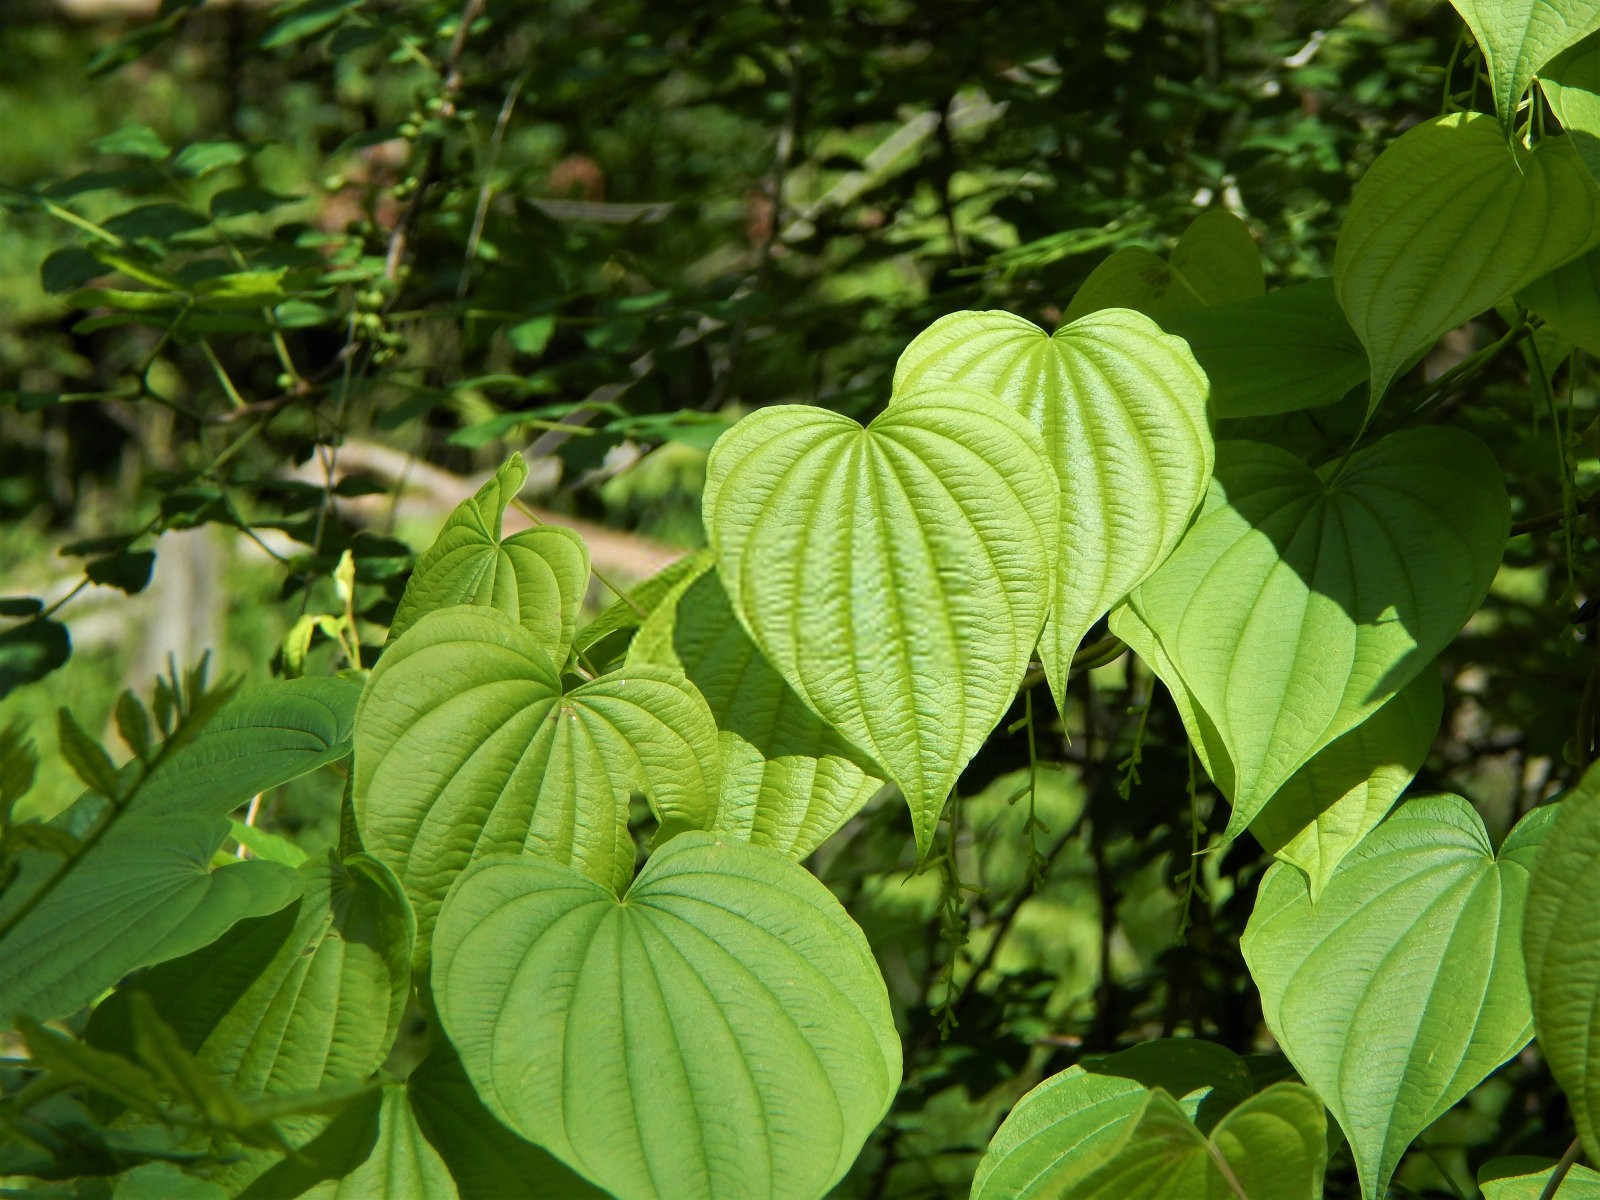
(593, 570)
(1566, 1163)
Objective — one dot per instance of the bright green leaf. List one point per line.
(1122, 407)
(487, 1160)
(1099, 1137)
(605, 639)
(723, 1032)
(1562, 944)
(202, 158)
(896, 576)
(1518, 37)
(1337, 798)
(537, 577)
(134, 140)
(1403, 986)
(1571, 84)
(1206, 1078)
(1133, 278)
(469, 744)
(530, 337)
(788, 780)
(1413, 259)
(1301, 600)
(1288, 350)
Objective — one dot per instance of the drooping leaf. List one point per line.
(1101, 1137)
(722, 1032)
(788, 780)
(1336, 799)
(144, 893)
(536, 577)
(1569, 301)
(30, 651)
(1518, 37)
(1281, 352)
(1403, 986)
(292, 1003)
(1300, 600)
(262, 737)
(1562, 946)
(1413, 260)
(470, 744)
(896, 576)
(1571, 84)
(1122, 407)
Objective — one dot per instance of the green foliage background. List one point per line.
(598, 232)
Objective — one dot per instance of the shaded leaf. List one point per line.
(1569, 301)
(31, 651)
(1300, 600)
(129, 570)
(1562, 947)
(1412, 261)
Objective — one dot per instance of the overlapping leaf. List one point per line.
(1348, 787)
(469, 743)
(292, 1003)
(536, 577)
(721, 1032)
(1568, 299)
(1287, 350)
(1122, 408)
(1449, 221)
(1214, 262)
(1101, 1137)
(895, 576)
(1562, 946)
(1518, 37)
(1571, 84)
(1300, 602)
(788, 780)
(146, 891)
(1402, 987)
(1523, 1178)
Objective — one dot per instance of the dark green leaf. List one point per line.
(31, 651)
(129, 571)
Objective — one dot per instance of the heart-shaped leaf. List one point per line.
(788, 780)
(1122, 407)
(469, 744)
(1413, 258)
(1402, 987)
(1282, 352)
(721, 1032)
(1518, 37)
(1100, 1137)
(536, 577)
(1561, 942)
(1300, 600)
(896, 576)
(1349, 786)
